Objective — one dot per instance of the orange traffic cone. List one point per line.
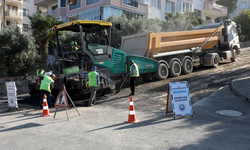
(45, 107)
(131, 114)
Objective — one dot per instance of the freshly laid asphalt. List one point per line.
(241, 87)
(101, 127)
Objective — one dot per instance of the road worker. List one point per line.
(46, 87)
(40, 71)
(134, 73)
(74, 45)
(93, 85)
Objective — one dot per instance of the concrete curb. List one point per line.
(241, 87)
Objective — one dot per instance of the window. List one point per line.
(26, 0)
(72, 18)
(25, 28)
(116, 12)
(63, 3)
(8, 23)
(208, 18)
(93, 14)
(131, 15)
(89, 2)
(169, 7)
(25, 12)
(234, 30)
(130, 2)
(75, 5)
(243, 5)
(156, 4)
(183, 6)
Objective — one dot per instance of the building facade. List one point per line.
(240, 5)
(69, 10)
(207, 9)
(17, 12)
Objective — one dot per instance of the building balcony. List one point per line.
(14, 2)
(51, 13)
(43, 3)
(214, 9)
(14, 15)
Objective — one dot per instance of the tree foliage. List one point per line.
(42, 27)
(243, 19)
(178, 22)
(230, 4)
(181, 22)
(133, 26)
(18, 51)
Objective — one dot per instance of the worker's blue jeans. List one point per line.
(47, 93)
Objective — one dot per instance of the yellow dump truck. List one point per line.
(178, 52)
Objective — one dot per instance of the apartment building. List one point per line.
(69, 10)
(207, 9)
(240, 5)
(16, 11)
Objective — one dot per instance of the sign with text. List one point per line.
(12, 94)
(179, 97)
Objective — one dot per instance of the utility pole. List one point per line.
(4, 25)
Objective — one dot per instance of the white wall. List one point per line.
(155, 12)
(51, 5)
(199, 5)
(32, 9)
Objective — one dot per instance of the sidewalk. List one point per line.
(241, 87)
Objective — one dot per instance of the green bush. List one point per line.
(17, 51)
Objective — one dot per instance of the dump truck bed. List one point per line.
(148, 44)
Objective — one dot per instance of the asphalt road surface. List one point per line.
(151, 96)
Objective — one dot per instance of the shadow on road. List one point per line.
(24, 126)
(27, 117)
(157, 120)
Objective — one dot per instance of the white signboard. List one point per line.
(180, 98)
(11, 93)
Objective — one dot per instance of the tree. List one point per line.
(243, 19)
(18, 51)
(42, 27)
(181, 22)
(230, 4)
(133, 26)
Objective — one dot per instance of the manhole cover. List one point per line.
(230, 113)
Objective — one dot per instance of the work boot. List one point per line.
(131, 94)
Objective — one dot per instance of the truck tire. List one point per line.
(215, 60)
(162, 72)
(187, 67)
(175, 69)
